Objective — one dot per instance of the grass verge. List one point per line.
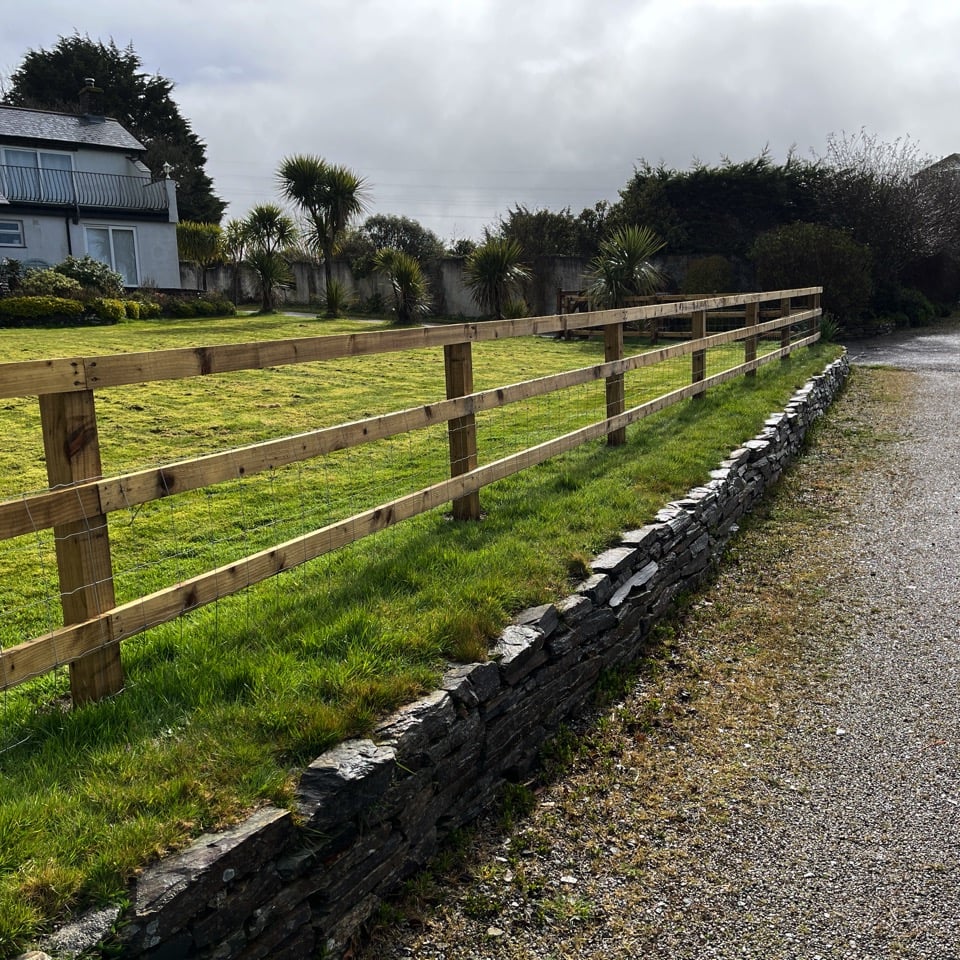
(221, 709)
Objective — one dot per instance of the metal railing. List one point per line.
(79, 188)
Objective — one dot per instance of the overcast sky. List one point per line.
(456, 110)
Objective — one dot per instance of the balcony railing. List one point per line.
(78, 188)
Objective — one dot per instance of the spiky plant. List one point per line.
(622, 267)
(269, 231)
(494, 274)
(411, 292)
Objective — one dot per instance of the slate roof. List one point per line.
(65, 128)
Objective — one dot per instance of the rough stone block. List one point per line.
(614, 561)
(173, 893)
(544, 618)
(289, 935)
(518, 651)
(601, 619)
(574, 608)
(598, 588)
(638, 581)
(412, 729)
(344, 782)
(644, 538)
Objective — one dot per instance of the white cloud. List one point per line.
(457, 109)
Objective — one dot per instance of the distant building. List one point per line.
(75, 184)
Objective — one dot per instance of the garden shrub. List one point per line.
(132, 309)
(92, 275)
(516, 309)
(712, 274)
(810, 254)
(224, 307)
(375, 303)
(907, 306)
(11, 275)
(49, 282)
(204, 308)
(108, 308)
(40, 311)
(149, 309)
(180, 309)
(338, 299)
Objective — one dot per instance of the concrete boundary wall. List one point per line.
(372, 811)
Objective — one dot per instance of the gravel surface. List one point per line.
(782, 778)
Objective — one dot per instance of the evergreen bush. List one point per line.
(108, 308)
(49, 282)
(810, 254)
(713, 274)
(40, 312)
(92, 275)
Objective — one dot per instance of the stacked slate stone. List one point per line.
(370, 812)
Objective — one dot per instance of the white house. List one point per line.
(75, 184)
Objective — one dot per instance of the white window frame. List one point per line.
(18, 224)
(111, 228)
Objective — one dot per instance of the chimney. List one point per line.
(91, 97)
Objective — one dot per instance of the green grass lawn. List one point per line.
(223, 707)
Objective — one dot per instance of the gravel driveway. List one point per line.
(797, 797)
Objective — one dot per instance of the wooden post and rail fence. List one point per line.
(80, 499)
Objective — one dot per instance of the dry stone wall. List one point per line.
(370, 812)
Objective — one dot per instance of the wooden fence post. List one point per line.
(785, 311)
(462, 431)
(699, 357)
(750, 343)
(616, 391)
(815, 304)
(72, 448)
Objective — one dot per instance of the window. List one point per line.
(11, 233)
(38, 175)
(117, 248)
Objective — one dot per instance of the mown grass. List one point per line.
(223, 707)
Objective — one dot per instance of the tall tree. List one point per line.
(386, 231)
(891, 198)
(541, 233)
(331, 195)
(402, 233)
(718, 209)
(142, 102)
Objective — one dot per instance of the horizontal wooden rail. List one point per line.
(45, 653)
(40, 511)
(68, 374)
(66, 388)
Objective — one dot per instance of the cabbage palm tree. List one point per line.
(269, 232)
(411, 292)
(493, 272)
(622, 267)
(330, 194)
